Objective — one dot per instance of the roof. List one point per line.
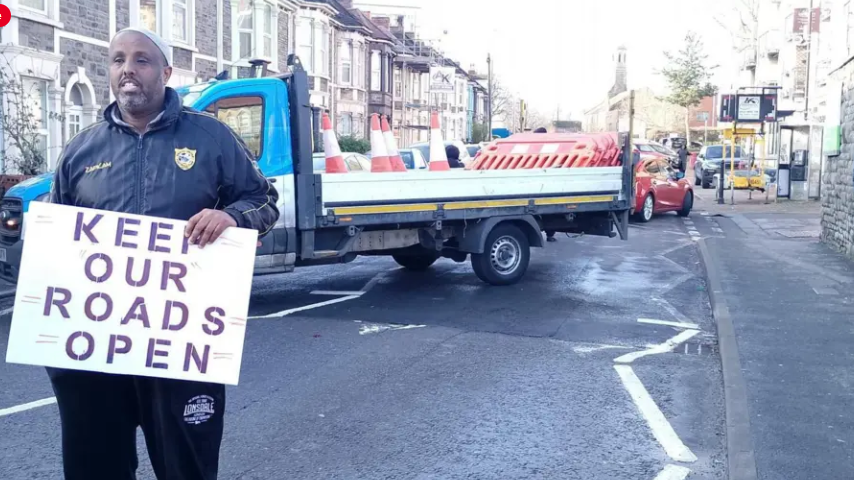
(376, 32)
(343, 15)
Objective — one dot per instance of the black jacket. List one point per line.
(187, 161)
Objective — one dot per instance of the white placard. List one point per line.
(126, 294)
(749, 108)
(442, 79)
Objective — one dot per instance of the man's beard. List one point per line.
(137, 102)
(133, 102)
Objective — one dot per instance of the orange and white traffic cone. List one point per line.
(334, 159)
(438, 158)
(379, 154)
(397, 164)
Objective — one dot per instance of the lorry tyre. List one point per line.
(505, 257)
(417, 263)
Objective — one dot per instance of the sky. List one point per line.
(559, 52)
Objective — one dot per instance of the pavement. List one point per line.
(789, 301)
(601, 363)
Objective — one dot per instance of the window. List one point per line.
(245, 26)
(268, 30)
(398, 89)
(245, 115)
(359, 81)
(148, 14)
(323, 57)
(652, 168)
(180, 21)
(376, 70)
(35, 91)
(345, 124)
(346, 63)
(305, 42)
(75, 111)
(37, 5)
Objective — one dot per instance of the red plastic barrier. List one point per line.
(550, 150)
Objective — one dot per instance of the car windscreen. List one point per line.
(406, 156)
(717, 152)
(425, 151)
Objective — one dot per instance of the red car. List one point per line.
(660, 188)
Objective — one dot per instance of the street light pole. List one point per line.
(489, 97)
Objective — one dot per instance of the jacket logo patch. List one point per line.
(185, 158)
(99, 166)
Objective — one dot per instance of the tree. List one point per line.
(688, 77)
(478, 133)
(20, 123)
(500, 99)
(353, 144)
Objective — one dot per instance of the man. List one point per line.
(683, 158)
(550, 234)
(453, 154)
(139, 139)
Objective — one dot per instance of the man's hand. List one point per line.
(206, 226)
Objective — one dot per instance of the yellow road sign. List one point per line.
(741, 132)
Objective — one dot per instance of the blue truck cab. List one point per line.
(257, 109)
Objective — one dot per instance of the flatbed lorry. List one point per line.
(492, 217)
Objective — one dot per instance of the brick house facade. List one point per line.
(58, 48)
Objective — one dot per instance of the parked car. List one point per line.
(661, 188)
(709, 162)
(424, 148)
(356, 162)
(413, 159)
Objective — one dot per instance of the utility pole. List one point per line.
(489, 97)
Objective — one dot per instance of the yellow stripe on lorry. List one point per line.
(429, 207)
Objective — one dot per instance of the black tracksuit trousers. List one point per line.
(182, 422)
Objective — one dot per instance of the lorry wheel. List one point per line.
(505, 256)
(417, 263)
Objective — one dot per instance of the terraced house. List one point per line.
(58, 49)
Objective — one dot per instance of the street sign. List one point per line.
(741, 132)
(442, 79)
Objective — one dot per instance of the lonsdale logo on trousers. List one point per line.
(199, 409)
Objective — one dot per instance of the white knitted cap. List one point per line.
(155, 39)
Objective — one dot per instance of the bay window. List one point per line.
(268, 30)
(359, 81)
(346, 63)
(345, 125)
(180, 21)
(245, 28)
(376, 71)
(37, 5)
(35, 97)
(148, 14)
(305, 42)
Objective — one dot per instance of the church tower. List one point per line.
(620, 73)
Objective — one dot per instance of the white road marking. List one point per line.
(27, 406)
(692, 326)
(671, 309)
(596, 347)
(717, 230)
(665, 347)
(6, 310)
(675, 283)
(661, 428)
(350, 296)
(306, 307)
(704, 213)
(674, 248)
(377, 328)
(673, 472)
(337, 292)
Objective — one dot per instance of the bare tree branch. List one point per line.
(24, 149)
